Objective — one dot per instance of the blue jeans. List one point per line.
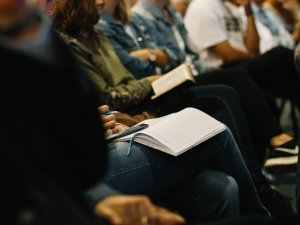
(161, 176)
(222, 102)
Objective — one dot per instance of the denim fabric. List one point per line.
(274, 24)
(147, 9)
(161, 176)
(223, 103)
(147, 37)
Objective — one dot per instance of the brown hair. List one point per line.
(74, 16)
(122, 12)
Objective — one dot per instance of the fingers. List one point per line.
(103, 109)
(135, 210)
(109, 121)
(109, 214)
(165, 217)
(119, 128)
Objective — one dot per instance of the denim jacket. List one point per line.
(150, 11)
(147, 37)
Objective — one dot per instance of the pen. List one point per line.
(111, 112)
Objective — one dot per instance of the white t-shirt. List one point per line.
(210, 22)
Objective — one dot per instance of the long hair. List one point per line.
(74, 16)
(122, 11)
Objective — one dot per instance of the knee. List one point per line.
(228, 204)
(231, 188)
(225, 190)
(222, 185)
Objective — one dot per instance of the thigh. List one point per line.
(274, 70)
(157, 174)
(211, 195)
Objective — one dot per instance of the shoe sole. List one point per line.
(282, 161)
(288, 150)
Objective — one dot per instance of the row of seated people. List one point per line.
(135, 39)
(111, 81)
(191, 188)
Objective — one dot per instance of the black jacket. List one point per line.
(52, 146)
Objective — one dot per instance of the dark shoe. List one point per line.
(279, 207)
(283, 155)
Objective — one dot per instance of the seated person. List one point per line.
(272, 31)
(184, 182)
(288, 11)
(230, 44)
(124, 29)
(53, 151)
(125, 93)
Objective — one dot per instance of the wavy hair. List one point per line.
(74, 16)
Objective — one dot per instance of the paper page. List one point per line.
(183, 129)
(178, 132)
(172, 79)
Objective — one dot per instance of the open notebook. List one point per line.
(177, 132)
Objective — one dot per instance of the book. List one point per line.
(178, 132)
(172, 79)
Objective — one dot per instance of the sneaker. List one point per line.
(279, 207)
(286, 154)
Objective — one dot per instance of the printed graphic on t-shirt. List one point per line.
(232, 24)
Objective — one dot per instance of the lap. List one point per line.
(149, 171)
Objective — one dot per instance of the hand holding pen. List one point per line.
(109, 120)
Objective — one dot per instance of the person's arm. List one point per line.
(154, 39)
(161, 59)
(135, 210)
(125, 95)
(228, 53)
(251, 37)
(296, 33)
(138, 67)
(110, 121)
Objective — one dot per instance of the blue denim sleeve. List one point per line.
(123, 46)
(95, 194)
(166, 44)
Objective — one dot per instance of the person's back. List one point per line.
(42, 147)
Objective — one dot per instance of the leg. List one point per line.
(275, 71)
(150, 172)
(212, 193)
(223, 104)
(262, 121)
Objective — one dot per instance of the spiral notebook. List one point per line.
(178, 132)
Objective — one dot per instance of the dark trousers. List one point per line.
(222, 102)
(261, 121)
(274, 71)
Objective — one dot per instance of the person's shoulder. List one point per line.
(67, 38)
(142, 10)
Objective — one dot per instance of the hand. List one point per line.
(153, 78)
(109, 121)
(135, 210)
(142, 54)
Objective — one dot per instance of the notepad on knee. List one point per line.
(178, 132)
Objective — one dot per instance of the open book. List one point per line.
(177, 132)
(172, 79)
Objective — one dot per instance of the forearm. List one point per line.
(98, 193)
(252, 37)
(161, 58)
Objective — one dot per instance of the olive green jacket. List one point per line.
(116, 84)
